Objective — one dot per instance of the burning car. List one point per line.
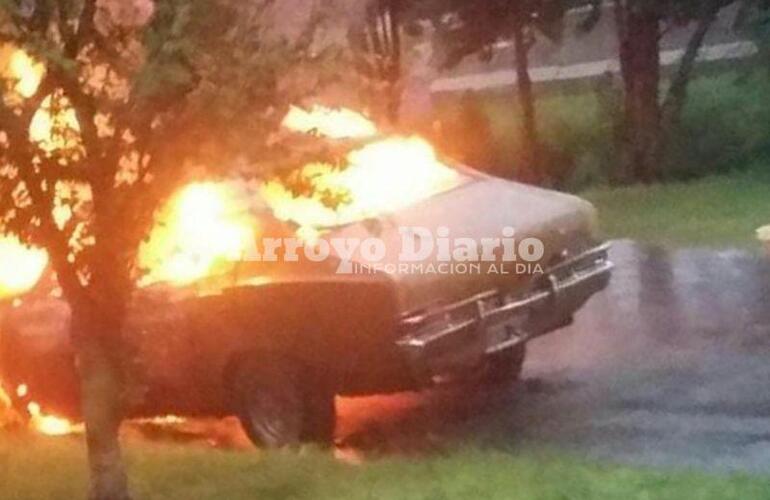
(394, 272)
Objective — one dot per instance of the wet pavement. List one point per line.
(669, 367)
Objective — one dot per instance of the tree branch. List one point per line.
(85, 30)
(677, 93)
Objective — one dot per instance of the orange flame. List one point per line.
(203, 225)
(5, 400)
(22, 391)
(7, 415)
(50, 425)
(55, 125)
(37, 420)
(200, 228)
(383, 176)
(21, 69)
(332, 123)
(21, 268)
(22, 265)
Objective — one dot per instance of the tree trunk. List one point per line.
(529, 167)
(96, 332)
(677, 93)
(639, 34)
(394, 69)
(379, 39)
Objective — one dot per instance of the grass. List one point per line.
(725, 124)
(717, 211)
(36, 468)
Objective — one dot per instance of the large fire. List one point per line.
(380, 177)
(5, 400)
(205, 225)
(17, 66)
(327, 122)
(50, 425)
(35, 418)
(201, 228)
(21, 267)
(55, 125)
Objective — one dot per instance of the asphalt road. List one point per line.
(669, 367)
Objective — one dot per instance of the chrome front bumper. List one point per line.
(504, 321)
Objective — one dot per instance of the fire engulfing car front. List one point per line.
(397, 272)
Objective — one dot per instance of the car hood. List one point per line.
(479, 209)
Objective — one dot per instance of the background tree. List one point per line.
(477, 27)
(377, 48)
(145, 84)
(753, 20)
(648, 118)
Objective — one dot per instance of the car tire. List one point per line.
(269, 402)
(320, 416)
(280, 405)
(505, 367)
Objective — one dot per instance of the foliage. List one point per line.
(155, 92)
(43, 468)
(464, 28)
(377, 55)
(723, 127)
(719, 211)
(649, 121)
(754, 22)
(159, 89)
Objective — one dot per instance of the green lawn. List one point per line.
(719, 211)
(725, 125)
(36, 468)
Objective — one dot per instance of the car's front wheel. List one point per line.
(279, 406)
